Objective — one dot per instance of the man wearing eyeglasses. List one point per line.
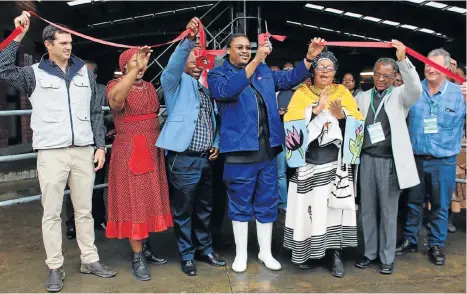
(436, 123)
(387, 164)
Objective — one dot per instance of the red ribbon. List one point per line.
(409, 51)
(11, 37)
(180, 37)
(204, 58)
(263, 38)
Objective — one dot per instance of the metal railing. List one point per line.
(38, 197)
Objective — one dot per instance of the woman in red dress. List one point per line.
(138, 200)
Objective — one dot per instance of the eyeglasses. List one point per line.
(323, 68)
(385, 77)
(241, 47)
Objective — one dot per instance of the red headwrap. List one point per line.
(125, 57)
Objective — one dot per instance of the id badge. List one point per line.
(376, 133)
(430, 125)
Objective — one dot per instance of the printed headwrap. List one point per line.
(326, 55)
(125, 57)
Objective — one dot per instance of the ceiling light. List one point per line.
(332, 10)
(366, 73)
(416, 1)
(359, 36)
(371, 18)
(123, 19)
(457, 9)
(100, 23)
(331, 30)
(78, 2)
(312, 6)
(142, 16)
(182, 9)
(428, 31)
(406, 26)
(118, 73)
(351, 14)
(436, 5)
(391, 23)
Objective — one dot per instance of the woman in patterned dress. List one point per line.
(314, 226)
(138, 192)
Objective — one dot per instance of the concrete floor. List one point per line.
(22, 267)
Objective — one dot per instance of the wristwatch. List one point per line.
(103, 148)
(309, 60)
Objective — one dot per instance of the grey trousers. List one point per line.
(379, 190)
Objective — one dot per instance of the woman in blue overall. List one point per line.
(251, 136)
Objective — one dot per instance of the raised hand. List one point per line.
(24, 21)
(193, 26)
(142, 57)
(263, 52)
(335, 108)
(400, 49)
(315, 47)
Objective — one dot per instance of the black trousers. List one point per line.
(190, 180)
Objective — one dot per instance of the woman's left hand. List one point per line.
(335, 108)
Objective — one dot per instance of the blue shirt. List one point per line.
(448, 106)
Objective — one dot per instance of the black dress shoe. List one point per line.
(140, 268)
(151, 258)
(70, 231)
(337, 264)
(386, 269)
(211, 259)
(437, 255)
(406, 247)
(189, 268)
(366, 262)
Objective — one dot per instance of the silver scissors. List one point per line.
(267, 31)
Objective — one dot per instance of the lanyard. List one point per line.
(386, 96)
(433, 104)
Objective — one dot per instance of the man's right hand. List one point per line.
(24, 21)
(262, 53)
(193, 26)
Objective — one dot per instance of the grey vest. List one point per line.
(60, 116)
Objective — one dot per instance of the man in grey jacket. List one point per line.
(66, 121)
(387, 164)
